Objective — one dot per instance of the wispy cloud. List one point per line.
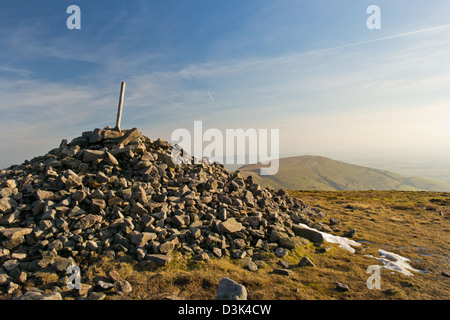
(312, 90)
(22, 73)
(395, 36)
(210, 96)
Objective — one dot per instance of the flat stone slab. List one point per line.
(283, 272)
(230, 226)
(311, 235)
(159, 259)
(13, 233)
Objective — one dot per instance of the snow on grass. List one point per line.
(391, 261)
(396, 262)
(344, 243)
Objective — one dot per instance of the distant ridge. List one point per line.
(322, 173)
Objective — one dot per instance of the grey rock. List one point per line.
(92, 245)
(252, 266)
(43, 194)
(92, 155)
(7, 204)
(283, 272)
(159, 259)
(4, 252)
(222, 214)
(323, 249)
(122, 287)
(334, 221)
(11, 287)
(166, 247)
(230, 290)
(195, 232)
(10, 218)
(51, 296)
(19, 276)
(13, 243)
(98, 205)
(230, 226)
(30, 295)
(248, 196)
(281, 252)
(311, 235)
(96, 296)
(306, 262)
(139, 209)
(292, 242)
(254, 221)
(284, 264)
(47, 259)
(104, 285)
(110, 159)
(4, 279)
(129, 136)
(73, 181)
(217, 252)
(78, 195)
(115, 276)
(142, 238)
(71, 163)
(76, 211)
(239, 243)
(61, 264)
(13, 233)
(350, 234)
(5, 192)
(87, 221)
(84, 289)
(201, 256)
(341, 287)
(10, 265)
(102, 178)
(181, 220)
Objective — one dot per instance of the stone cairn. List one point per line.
(111, 191)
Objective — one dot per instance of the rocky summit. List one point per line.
(109, 192)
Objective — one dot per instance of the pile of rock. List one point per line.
(108, 192)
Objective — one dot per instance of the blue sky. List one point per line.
(309, 68)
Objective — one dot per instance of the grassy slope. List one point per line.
(320, 173)
(407, 223)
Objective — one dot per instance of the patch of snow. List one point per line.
(396, 262)
(344, 243)
(390, 260)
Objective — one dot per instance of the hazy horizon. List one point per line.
(431, 168)
(313, 70)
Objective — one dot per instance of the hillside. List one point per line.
(321, 173)
(111, 216)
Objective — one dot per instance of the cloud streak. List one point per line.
(400, 35)
(312, 92)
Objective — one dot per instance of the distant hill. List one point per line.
(321, 173)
